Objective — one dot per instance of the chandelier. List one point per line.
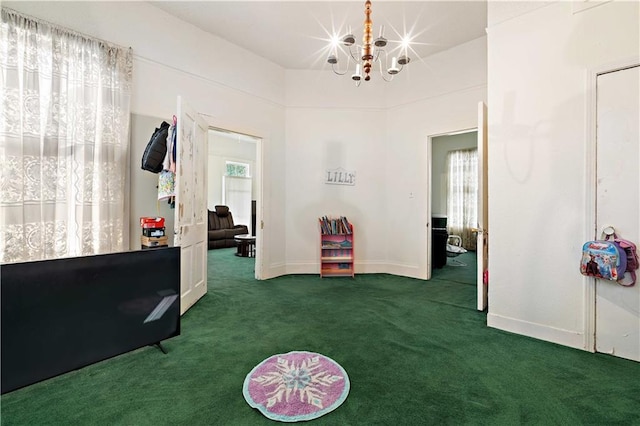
(370, 53)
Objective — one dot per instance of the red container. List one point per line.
(152, 222)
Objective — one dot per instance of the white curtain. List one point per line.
(237, 196)
(64, 141)
(462, 195)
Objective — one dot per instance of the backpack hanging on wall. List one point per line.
(610, 258)
(603, 259)
(156, 149)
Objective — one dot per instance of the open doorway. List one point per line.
(454, 192)
(233, 171)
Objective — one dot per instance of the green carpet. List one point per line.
(416, 352)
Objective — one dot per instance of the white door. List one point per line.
(617, 204)
(482, 248)
(191, 207)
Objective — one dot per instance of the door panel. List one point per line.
(617, 308)
(191, 215)
(482, 248)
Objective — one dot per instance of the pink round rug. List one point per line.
(296, 386)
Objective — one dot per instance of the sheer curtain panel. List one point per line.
(237, 196)
(462, 195)
(64, 141)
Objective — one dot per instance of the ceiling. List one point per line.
(295, 34)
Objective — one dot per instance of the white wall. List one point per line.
(143, 184)
(331, 123)
(231, 87)
(319, 139)
(431, 102)
(538, 63)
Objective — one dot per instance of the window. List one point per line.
(462, 195)
(236, 191)
(64, 143)
(238, 169)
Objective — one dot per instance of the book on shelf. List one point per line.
(336, 244)
(339, 252)
(335, 226)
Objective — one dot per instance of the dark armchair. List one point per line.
(222, 230)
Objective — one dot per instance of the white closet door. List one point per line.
(618, 204)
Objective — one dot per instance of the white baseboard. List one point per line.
(303, 268)
(274, 270)
(372, 267)
(411, 271)
(573, 339)
(279, 269)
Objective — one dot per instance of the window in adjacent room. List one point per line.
(462, 195)
(238, 169)
(236, 191)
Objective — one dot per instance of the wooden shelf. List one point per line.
(336, 249)
(337, 259)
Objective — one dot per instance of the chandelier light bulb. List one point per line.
(358, 74)
(394, 66)
(380, 41)
(406, 41)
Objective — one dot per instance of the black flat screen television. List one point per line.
(63, 314)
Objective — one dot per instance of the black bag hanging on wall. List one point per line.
(156, 149)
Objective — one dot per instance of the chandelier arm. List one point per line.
(333, 67)
(346, 70)
(353, 55)
(382, 73)
(376, 54)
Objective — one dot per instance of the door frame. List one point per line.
(430, 187)
(590, 231)
(258, 174)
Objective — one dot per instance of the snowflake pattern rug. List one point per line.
(296, 386)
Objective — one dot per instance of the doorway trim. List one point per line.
(590, 231)
(259, 175)
(429, 266)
